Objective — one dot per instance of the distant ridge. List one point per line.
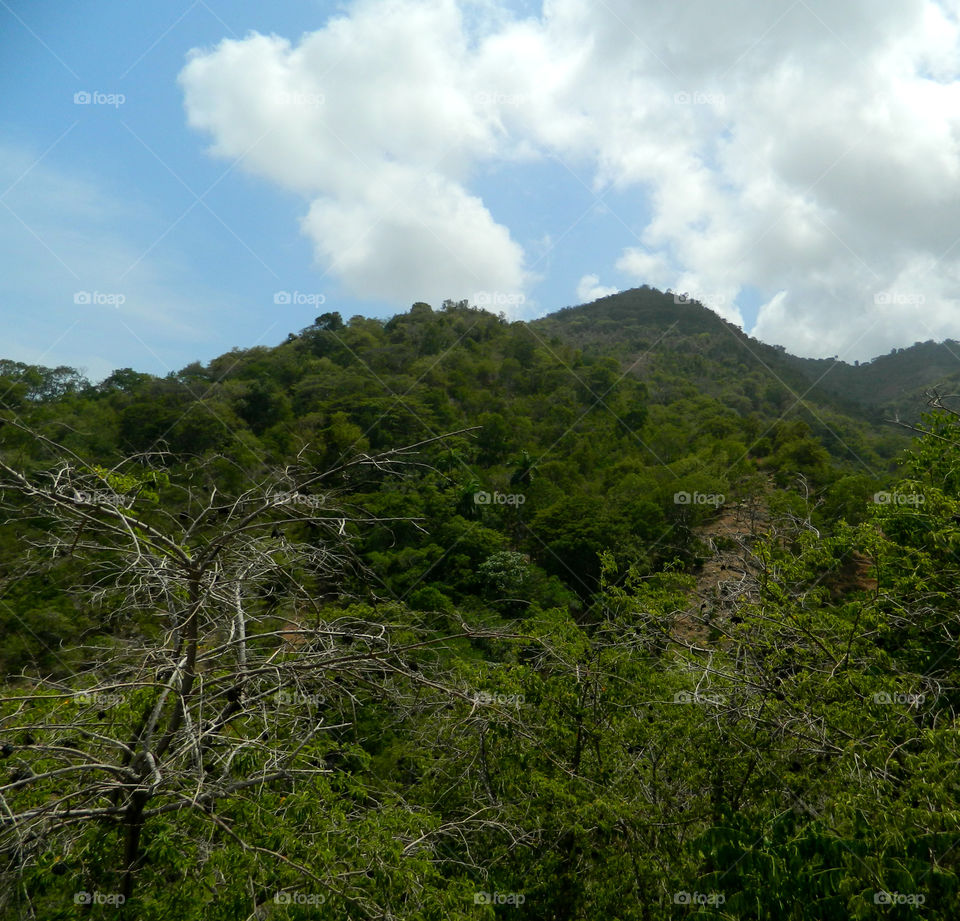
(645, 318)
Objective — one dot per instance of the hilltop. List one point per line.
(645, 320)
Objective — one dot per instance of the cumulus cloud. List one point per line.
(376, 121)
(409, 235)
(590, 289)
(809, 151)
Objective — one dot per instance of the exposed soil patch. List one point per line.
(727, 577)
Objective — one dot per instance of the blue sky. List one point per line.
(198, 282)
(793, 164)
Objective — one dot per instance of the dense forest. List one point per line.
(614, 614)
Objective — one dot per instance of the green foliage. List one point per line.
(568, 731)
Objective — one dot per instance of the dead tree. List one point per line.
(219, 687)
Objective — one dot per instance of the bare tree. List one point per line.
(230, 678)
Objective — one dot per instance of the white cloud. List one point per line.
(408, 237)
(809, 151)
(376, 119)
(589, 289)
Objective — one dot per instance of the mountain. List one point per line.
(632, 322)
(619, 613)
(896, 384)
(591, 422)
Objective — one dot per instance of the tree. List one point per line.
(232, 694)
(329, 321)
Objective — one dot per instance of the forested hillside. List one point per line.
(889, 386)
(614, 614)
